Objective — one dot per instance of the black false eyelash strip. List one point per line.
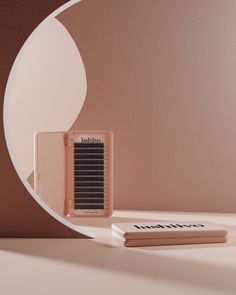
(89, 175)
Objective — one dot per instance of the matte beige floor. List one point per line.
(60, 266)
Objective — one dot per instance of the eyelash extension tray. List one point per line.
(75, 168)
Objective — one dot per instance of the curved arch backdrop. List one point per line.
(21, 215)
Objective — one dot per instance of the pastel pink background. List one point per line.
(161, 75)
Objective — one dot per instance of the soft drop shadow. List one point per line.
(105, 222)
(135, 261)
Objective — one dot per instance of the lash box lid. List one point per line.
(49, 171)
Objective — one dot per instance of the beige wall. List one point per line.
(162, 76)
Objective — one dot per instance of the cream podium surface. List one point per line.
(102, 266)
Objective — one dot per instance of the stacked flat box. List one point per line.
(89, 166)
(168, 233)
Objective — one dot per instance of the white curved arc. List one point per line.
(6, 125)
(48, 91)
